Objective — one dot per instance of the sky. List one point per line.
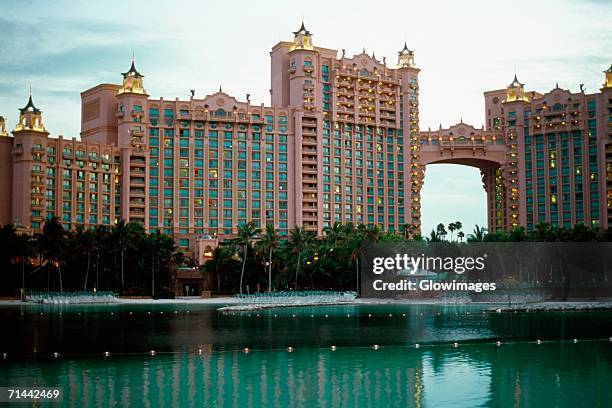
(463, 48)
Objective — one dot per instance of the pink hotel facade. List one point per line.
(340, 142)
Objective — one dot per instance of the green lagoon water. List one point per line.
(200, 358)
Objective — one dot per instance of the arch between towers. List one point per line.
(491, 160)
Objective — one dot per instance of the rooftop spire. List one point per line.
(30, 105)
(132, 71)
(405, 50)
(302, 30)
(515, 82)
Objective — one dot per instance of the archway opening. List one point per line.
(450, 193)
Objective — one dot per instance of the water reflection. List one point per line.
(522, 374)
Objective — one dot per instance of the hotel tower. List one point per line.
(339, 142)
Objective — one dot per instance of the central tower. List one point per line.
(355, 122)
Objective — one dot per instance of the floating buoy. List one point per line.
(390, 315)
(112, 313)
(80, 313)
(421, 314)
(455, 344)
(257, 314)
(539, 341)
(187, 311)
(247, 350)
(176, 312)
(369, 315)
(106, 354)
(200, 351)
(130, 313)
(41, 313)
(333, 348)
(326, 316)
(148, 312)
(293, 315)
(275, 315)
(311, 315)
(56, 354)
(348, 315)
(417, 345)
(290, 349)
(161, 312)
(575, 340)
(498, 343)
(403, 314)
(152, 352)
(60, 313)
(376, 347)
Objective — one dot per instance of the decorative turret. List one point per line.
(3, 131)
(302, 39)
(608, 81)
(405, 58)
(30, 118)
(515, 91)
(132, 81)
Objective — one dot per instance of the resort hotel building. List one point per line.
(339, 142)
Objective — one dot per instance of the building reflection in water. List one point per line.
(525, 374)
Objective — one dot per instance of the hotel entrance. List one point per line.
(191, 289)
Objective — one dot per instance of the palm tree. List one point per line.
(100, 238)
(299, 240)
(121, 239)
(125, 236)
(441, 231)
(458, 226)
(478, 235)
(460, 235)
(246, 233)
(23, 249)
(52, 242)
(268, 242)
(452, 227)
(85, 244)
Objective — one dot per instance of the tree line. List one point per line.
(261, 259)
(122, 258)
(126, 259)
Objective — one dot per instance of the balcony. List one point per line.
(17, 150)
(307, 216)
(309, 170)
(38, 150)
(309, 141)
